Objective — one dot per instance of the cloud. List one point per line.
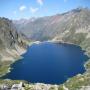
(40, 2)
(22, 8)
(33, 10)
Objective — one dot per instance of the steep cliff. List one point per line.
(12, 43)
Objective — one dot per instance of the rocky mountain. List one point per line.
(45, 28)
(12, 43)
(72, 27)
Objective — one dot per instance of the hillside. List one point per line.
(12, 44)
(45, 28)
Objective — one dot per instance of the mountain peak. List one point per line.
(79, 9)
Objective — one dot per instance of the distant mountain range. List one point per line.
(49, 27)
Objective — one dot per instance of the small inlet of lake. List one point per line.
(49, 63)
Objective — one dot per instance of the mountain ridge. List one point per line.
(48, 27)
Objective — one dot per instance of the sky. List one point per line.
(18, 9)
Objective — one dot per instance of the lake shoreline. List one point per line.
(9, 69)
(14, 60)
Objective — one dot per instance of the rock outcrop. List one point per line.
(12, 43)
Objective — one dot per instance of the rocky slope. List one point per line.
(46, 28)
(12, 43)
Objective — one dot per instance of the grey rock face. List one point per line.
(10, 39)
(45, 28)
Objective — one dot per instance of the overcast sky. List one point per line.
(17, 9)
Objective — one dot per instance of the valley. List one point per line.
(71, 27)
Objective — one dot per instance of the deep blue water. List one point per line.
(49, 63)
